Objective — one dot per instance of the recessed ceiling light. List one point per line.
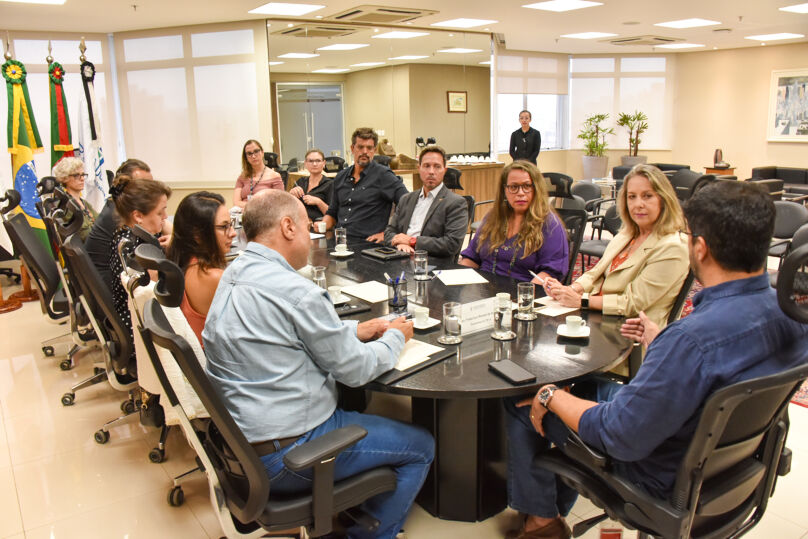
(687, 23)
(399, 34)
(51, 2)
(283, 8)
(368, 64)
(331, 70)
(463, 23)
(588, 35)
(796, 8)
(409, 57)
(563, 5)
(460, 50)
(343, 47)
(774, 37)
(680, 46)
(486, 63)
(275, 63)
(298, 55)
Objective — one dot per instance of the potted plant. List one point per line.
(637, 124)
(594, 136)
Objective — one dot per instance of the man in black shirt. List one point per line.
(365, 192)
(525, 141)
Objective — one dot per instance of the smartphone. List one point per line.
(511, 372)
(393, 316)
(386, 250)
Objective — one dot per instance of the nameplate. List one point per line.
(477, 316)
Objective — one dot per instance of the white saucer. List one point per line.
(341, 254)
(564, 332)
(341, 301)
(430, 323)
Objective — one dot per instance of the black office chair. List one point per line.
(727, 474)
(271, 160)
(792, 284)
(681, 297)
(475, 223)
(9, 202)
(470, 209)
(788, 218)
(586, 190)
(292, 165)
(451, 178)
(561, 183)
(334, 163)
(575, 222)
(684, 182)
(110, 177)
(799, 239)
(609, 222)
(382, 159)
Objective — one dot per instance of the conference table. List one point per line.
(458, 400)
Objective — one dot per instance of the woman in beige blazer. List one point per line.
(645, 264)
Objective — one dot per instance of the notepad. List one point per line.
(552, 307)
(371, 291)
(415, 353)
(461, 276)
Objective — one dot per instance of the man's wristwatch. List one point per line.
(584, 300)
(412, 242)
(546, 394)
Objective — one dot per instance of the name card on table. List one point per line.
(478, 316)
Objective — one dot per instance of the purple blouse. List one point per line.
(553, 257)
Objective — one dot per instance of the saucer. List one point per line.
(341, 254)
(564, 332)
(430, 323)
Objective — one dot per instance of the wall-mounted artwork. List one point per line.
(788, 106)
(457, 101)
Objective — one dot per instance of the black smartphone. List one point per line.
(386, 250)
(511, 372)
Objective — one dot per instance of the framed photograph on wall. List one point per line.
(788, 106)
(457, 101)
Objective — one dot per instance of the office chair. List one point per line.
(792, 284)
(562, 184)
(586, 190)
(334, 163)
(788, 218)
(239, 486)
(611, 223)
(451, 178)
(575, 222)
(271, 160)
(727, 474)
(382, 159)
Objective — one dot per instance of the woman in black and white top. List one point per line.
(525, 141)
(314, 190)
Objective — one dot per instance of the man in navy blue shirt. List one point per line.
(365, 192)
(735, 332)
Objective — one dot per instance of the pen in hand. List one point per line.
(541, 281)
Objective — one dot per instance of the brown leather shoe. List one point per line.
(557, 529)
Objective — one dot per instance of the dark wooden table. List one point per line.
(459, 400)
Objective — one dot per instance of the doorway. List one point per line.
(309, 116)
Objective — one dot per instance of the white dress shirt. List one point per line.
(420, 211)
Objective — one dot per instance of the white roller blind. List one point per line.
(524, 72)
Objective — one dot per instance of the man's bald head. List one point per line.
(265, 210)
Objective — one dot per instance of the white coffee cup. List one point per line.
(320, 227)
(340, 247)
(335, 292)
(575, 324)
(421, 316)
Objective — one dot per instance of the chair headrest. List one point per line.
(792, 285)
(67, 228)
(46, 185)
(170, 285)
(11, 200)
(145, 236)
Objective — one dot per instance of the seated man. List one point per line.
(433, 219)
(276, 349)
(365, 192)
(735, 332)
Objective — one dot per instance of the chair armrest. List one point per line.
(323, 448)
(593, 206)
(577, 447)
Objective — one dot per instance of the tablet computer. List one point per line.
(385, 253)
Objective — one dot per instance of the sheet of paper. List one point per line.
(371, 291)
(555, 311)
(477, 316)
(316, 236)
(414, 353)
(461, 276)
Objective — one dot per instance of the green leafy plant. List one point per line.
(594, 135)
(637, 124)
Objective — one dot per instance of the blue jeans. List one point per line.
(406, 448)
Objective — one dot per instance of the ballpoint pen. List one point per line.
(541, 281)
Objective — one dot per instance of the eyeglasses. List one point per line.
(314, 161)
(525, 188)
(225, 228)
(82, 176)
(254, 153)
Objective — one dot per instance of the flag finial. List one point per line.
(7, 55)
(49, 57)
(83, 49)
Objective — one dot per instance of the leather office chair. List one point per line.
(382, 159)
(561, 183)
(451, 178)
(799, 239)
(334, 163)
(271, 160)
(792, 284)
(788, 218)
(684, 182)
(727, 473)
(239, 485)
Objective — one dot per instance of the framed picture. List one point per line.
(788, 106)
(457, 101)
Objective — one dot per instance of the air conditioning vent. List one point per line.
(643, 40)
(316, 30)
(381, 14)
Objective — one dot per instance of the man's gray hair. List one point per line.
(266, 209)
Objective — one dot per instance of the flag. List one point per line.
(60, 119)
(23, 142)
(89, 141)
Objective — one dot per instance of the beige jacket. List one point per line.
(648, 280)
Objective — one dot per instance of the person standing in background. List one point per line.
(525, 141)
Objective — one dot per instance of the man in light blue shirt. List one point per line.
(276, 348)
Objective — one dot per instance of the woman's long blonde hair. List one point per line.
(494, 229)
(670, 217)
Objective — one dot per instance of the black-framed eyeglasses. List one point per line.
(82, 176)
(254, 153)
(525, 188)
(225, 228)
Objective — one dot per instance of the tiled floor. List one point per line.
(56, 482)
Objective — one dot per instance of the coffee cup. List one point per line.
(336, 293)
(421, 316)
(320, 227)
(575, 324)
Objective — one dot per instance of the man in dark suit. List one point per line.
(433, 218)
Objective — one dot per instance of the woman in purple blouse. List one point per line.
(521, 233)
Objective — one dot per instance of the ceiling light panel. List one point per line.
(298, 55)
(687, 23)
(368, 64)
(50, 2)
(463, 23)
(409, 57)
(331, 70)
(562, 5)
(400, 34)
(460, 50)
(283, 8)
(343, 47)
(796, 8)
(774, 37)
(588, 35)
(680, 46)
(275, 63)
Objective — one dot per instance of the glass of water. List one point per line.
(318, 276)
(502, 318)
(341, 237)
(524, 297)
(421, 264)
(452, 320)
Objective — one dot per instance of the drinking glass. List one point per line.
(318, 276)
(524, 298)
(452, 320)
(502, 318)
(397, 296)
(421, 265)
(341, 236)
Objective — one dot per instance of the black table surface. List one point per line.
(537, 347)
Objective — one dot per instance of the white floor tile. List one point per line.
(772, 526)
(5, 457)
(10, 518)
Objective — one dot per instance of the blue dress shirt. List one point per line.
(276, 347)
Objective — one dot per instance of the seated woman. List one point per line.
(69, 171)
(202, 237)
(521, 233)
(645, 264)
(255, 175)
(315, 190)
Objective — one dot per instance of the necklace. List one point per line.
(259, 176)
(504, 248)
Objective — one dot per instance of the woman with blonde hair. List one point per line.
(522, 233)
(255, 175)
(69, 172)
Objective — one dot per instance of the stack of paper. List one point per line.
(415, 353)
(552, 307)
(371, 291)
(460, 276)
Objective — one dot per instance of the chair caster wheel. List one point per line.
(68, 399)
(48, 351)
(101, 436)
(65, 365)
(157, 455)
(176, 497)
(128, 407)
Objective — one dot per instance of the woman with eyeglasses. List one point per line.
(255, 175)
(316, 189)
(203, 234)
(69, 172)
(522, 233)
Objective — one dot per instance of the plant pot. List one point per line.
(595, 167)
(631, 160)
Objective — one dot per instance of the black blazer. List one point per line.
(525, 146)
